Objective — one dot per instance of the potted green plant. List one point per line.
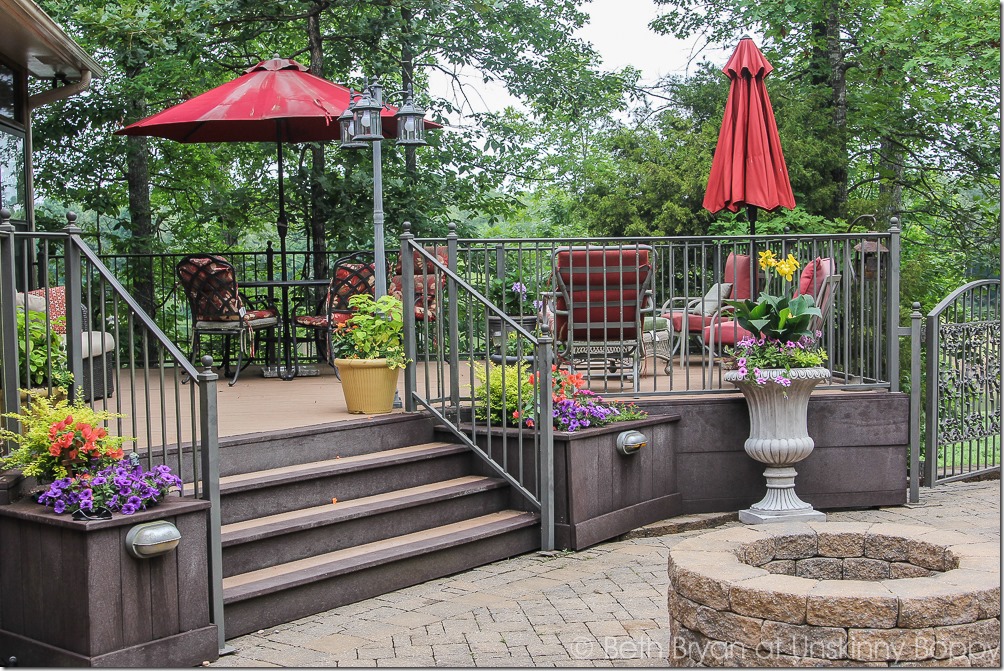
(776, 368)
(368, 350)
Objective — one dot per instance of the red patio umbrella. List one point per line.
(748, 167)
(277, 100)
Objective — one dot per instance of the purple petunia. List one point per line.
(124, 487)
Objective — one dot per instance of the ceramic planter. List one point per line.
(779, 437)
(368, 385)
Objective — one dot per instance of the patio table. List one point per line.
(289, 369)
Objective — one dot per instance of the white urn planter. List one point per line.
(780, 439)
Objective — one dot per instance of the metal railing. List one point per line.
(120, 361)
(858, 330)
(465, 347)
(963, 397)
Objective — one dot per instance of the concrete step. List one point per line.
(275, 595)
(273, 491)
(275, 539)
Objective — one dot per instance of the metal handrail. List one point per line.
(446, 407)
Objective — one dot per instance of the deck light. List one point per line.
(152, 539)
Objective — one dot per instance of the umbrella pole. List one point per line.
(282, 224)
(751, 212)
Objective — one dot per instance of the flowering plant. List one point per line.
(59, 439)
(779, 327)
(374, 331)
(508, 394)
(122, 487)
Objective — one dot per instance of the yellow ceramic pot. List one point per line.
(368, 385)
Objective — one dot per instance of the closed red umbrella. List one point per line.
(748, 168)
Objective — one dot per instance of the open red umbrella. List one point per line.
(277, 100)
(748, 167)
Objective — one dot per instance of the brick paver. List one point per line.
(605, 606)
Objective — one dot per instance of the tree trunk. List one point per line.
(315, 230)
(838, 87)
(140, 218)
(408, 79)
(891, 158)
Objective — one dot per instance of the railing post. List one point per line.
(915, 384)
(545, 422)
(8, 321)
(408, 292)
(933, 344)
(892, 337)
(454, 316)
(73, 278)
(210, 491)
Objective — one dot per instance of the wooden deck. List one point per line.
(258, 404)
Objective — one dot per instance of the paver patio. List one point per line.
(605, 606)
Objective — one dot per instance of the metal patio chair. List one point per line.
(218, 308)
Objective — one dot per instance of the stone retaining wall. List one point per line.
(834, 594)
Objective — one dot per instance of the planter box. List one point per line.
(599, 492)
(70, 594)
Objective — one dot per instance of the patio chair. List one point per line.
(428, 285)
(353, 275)
(601, 296)
(218, 308)
(817, 279)
(688, 315)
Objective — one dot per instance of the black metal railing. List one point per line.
(963, 396)
(471, 368)
(119, 359)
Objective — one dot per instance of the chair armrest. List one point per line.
(687, 303)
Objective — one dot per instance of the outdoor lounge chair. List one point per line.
(218, 308)
(817, 279)
(352, 276)
(688, 316)
(601, 297)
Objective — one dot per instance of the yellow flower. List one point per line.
(787, 267)
(767, 259)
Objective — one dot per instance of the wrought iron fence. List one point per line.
(963, 397)
(676, 353)
(83, 320)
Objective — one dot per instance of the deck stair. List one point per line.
(331, 516)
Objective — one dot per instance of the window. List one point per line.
(12, 175)
(10, 94)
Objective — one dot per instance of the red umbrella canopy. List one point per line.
(748, 168)
(276, 100)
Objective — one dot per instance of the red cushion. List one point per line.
(251, 315)
(695, 322)
(737, 272)
(726, 333)
(813, 275)
(56, 307)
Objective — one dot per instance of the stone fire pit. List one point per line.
(834, 594)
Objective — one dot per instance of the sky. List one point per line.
(618, 30)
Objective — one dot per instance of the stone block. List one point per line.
(819, 568)
(901, 569)
(705, 576)
(793, 541)
(986, 587)
(863, 568)
(890, 645)
(887, 548)
(925, 602)
(683, 609)
(781, 566)
(772, 597)
(729, 627)
(964, 639)
(852, 603)
(758, 552)
(927, 554)
(951, 662)
(988, 658)
(841, 539)
(821, 643)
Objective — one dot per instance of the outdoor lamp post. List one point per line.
(360, 125)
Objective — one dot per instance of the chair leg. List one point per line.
(226, 356)
(240, 357)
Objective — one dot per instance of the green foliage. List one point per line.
(41, 351)
(34, 452)
(374, 331)
(502, 391)
(782, 317)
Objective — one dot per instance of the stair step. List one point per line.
(329, 467)
(317, 516)
(322, 567)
